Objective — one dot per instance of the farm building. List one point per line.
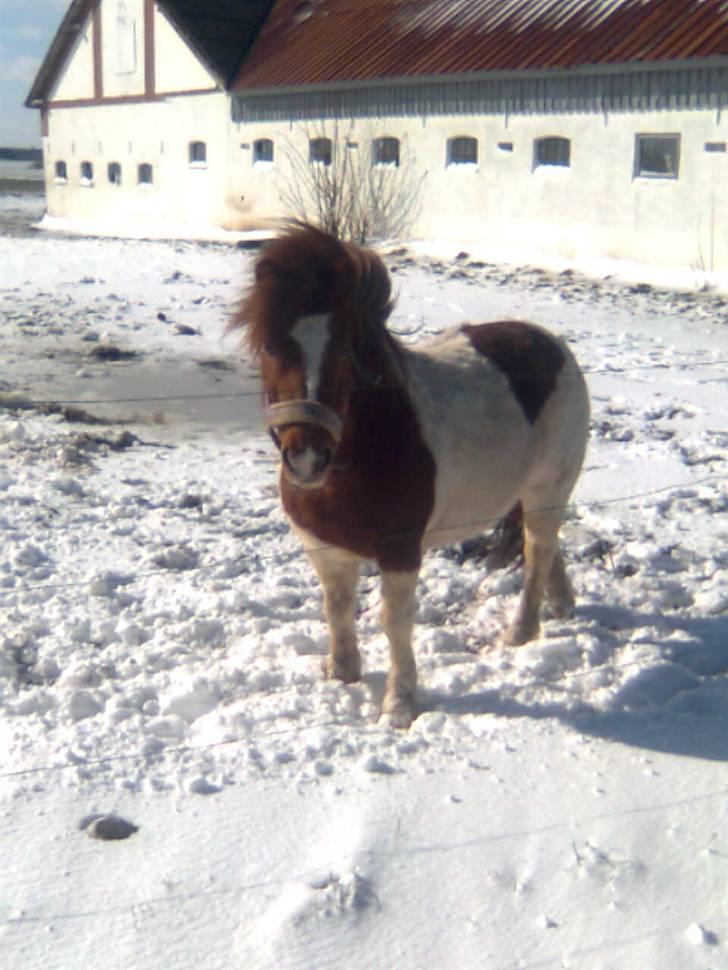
(586, 128)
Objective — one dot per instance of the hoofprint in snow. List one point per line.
(561, 804)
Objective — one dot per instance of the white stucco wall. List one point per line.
(122, 33)
(177, 68)
(77, 78)
(157, 133)
(596, 207)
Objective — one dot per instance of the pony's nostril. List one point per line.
(322, 461)
(306, 464)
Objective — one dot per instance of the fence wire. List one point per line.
(20, 401)
(393, 537)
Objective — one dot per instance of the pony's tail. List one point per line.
(500, 548)
(506, 540)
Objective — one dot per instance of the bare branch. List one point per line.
(348, 191)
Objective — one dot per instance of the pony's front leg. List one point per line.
(398, 618)
(338, 576)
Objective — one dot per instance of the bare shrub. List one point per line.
(343, 186)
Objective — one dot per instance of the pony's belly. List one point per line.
(469, 512)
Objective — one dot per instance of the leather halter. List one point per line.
(302, 412)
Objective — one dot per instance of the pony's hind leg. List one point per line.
(339, 576)
(543, 567)
(559, 591)
(398, 618)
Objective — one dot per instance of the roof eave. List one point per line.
(71, 25)
(584, 70)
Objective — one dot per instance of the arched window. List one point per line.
(61, 172)
(262, 150)
(198, 153)
(114, 171)
(320, 151)
(385, 151)
(145, 174)
(552, 151)
(87, 173)
(462, 150)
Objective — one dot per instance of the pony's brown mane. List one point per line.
(304, 271)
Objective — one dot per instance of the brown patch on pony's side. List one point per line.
(529, 357)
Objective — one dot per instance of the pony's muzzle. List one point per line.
(307, 434)
(306, 467)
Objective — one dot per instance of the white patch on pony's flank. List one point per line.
(312, 334)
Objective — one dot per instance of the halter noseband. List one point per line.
(302, 412)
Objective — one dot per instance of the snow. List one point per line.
(561, 804)
(20, 169)
(152, 230)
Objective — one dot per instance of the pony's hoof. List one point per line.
(518, 634)
(399, 715)
(563, 610)
(348, 673)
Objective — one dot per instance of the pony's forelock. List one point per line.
(306, 270)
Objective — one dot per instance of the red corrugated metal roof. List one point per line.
(327, 41)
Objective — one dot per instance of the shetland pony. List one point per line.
(387, 450)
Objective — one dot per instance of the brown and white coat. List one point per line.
(388, 450)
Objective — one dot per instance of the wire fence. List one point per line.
(182, 750)
(188, 749)
(9, 400)
(390, 537)
(329, 873)
(368, 723)
(280, 555)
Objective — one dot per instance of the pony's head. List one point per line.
(313, 317)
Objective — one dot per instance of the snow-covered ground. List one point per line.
(558, 805)
(11, 168)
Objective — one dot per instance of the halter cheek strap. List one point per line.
(302, 412)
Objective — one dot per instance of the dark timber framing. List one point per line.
(98, 55)
(149, 47)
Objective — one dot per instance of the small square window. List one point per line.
(462, 150)
(385, 151)
(145, 174)
(505, 146)
(61, 170)
(553, 150)
(262, 151)
(114, 172)
(198, 153)
(715, 147)
(320, 151)
(657, 156)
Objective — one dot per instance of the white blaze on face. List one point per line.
(312, 334)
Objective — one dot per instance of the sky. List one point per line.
(27, 28)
